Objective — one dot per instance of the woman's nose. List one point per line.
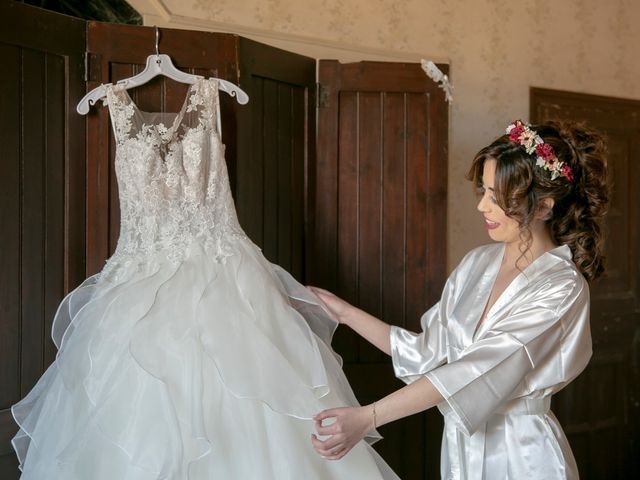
(482, 204)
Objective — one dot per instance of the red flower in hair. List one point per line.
(545, 151)
(522, 134)
(516, 131)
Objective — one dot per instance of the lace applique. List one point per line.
(173, 183)
(121, 114)
(164, 132)
(195, 100)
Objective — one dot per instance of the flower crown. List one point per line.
(521, 133)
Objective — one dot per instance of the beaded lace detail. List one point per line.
(172, 180)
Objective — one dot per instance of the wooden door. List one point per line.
(41, 195)
(379, 224)
(600, 411)
(275, 151)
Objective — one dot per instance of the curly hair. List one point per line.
(579, 206)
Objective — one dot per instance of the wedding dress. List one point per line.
(189, 356)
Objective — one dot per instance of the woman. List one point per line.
(512, 325)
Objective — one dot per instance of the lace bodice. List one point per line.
(172, 180)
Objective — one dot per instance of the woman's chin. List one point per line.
(495, 236)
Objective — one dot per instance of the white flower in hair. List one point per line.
(529, 141)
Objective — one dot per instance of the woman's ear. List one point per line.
(545, 209)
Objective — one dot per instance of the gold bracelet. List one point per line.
(374, 415)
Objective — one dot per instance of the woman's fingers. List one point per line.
(319, 291)
(326, 414)
(329, 429)
(338, 455)
(330, 450)
(342, 434)
(329, 445)
(335, 426)
(328, 301)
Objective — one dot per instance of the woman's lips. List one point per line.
(490, 225)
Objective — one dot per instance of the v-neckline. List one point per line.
(484, 317)
(177, 120)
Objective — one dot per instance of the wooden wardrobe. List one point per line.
(339, 174)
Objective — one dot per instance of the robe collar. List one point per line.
(527, 276)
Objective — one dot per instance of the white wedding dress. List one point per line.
(189, 356)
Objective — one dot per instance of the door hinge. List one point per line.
(92, 67)
(322, 96)
(86, 67)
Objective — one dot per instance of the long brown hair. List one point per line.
(580, 205)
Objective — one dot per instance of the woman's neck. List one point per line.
(541, 242)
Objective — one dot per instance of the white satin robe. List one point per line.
(497, 381)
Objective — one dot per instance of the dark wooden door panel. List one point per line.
(379, 223)
(41, 195)
(275, 151)
(600, 411)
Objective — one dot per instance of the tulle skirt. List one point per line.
(200, 370)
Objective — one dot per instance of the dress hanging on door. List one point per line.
(185, 357)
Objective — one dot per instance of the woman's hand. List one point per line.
(337, 307)
(350, 426)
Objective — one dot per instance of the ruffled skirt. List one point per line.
(201, 370)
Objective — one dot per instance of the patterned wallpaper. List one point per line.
(497, 49)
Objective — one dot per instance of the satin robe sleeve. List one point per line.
(539, 346)
(420, 352)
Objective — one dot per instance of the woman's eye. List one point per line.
(482, 191)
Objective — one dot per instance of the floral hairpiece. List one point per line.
(521, 133)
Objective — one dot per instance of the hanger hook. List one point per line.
(157, 40)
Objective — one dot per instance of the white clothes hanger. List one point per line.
(158, 64)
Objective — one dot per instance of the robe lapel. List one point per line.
(529, 275)
(479, 279)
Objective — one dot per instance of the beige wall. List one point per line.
(497, 49)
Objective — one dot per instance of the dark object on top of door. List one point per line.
(115, 11)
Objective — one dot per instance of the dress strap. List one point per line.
(204, 102)
(216, 106)
(121, 112)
